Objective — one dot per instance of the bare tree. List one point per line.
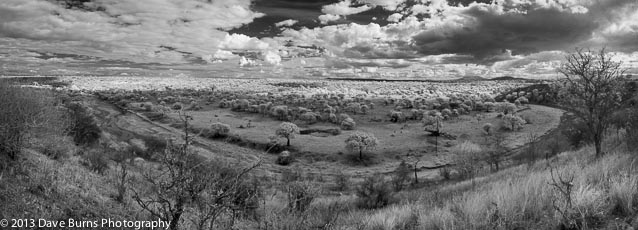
(592, 90)
(186, 180)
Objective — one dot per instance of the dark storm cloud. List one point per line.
(492, 32)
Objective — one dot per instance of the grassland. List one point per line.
(601, 194)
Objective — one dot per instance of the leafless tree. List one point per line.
(187, 181)
(592, 90)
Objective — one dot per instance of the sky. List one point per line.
(315, 38)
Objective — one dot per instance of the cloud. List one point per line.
(288, 23)
(271, 57)
(344, 8)
(391, 5)
(241, 42)
(325, 18)
(129, 30)
(396, 17)
(344, 63)
(484, 30)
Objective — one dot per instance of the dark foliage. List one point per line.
(83, 128)
(374, 193)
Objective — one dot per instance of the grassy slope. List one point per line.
(521, 197)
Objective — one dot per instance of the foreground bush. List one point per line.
(374, 192)
(20, 110)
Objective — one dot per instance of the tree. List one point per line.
(466, 155)
(513, 122)
(496, 152)
(361, 141)
(592, 89)
(400, 176)
(433, 124)
(187, 180)
(287, 130)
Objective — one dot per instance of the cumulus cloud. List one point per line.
(288, 23)
(387, 4)
(344, 8)
(241, 42)
(396, 17)
(484, 32)
(325, 18)
(271, 57)
(130, 30)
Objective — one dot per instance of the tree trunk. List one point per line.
(288, 142)
(360, 155)
(176, 216)
(416, 178)
(598, 144)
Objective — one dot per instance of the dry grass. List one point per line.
(521, 197)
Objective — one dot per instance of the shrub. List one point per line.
(284, 158)
(488, 129)
(400, 176)
(300, 195)
(513, 122)
(466, 155)
(95, 160)
(348, 124)
(57, 147)
(309, 117)
(83, 128)
(218, 130)
(374, 192)
(19, 107)
(342, 181)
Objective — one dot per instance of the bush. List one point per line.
(217, 130)
(400, 176)
(466, 158)
(284, 158)
(577, 134)
(57, 147)
(83, 128)
(19, 108)
(300, 195)
(342, 181)
(374, 193)
(488, 129)
(348, 124)
(95, 160)
(513, 122)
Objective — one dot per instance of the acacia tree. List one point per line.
(592, 89)
(361, 141)
(287, 130)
